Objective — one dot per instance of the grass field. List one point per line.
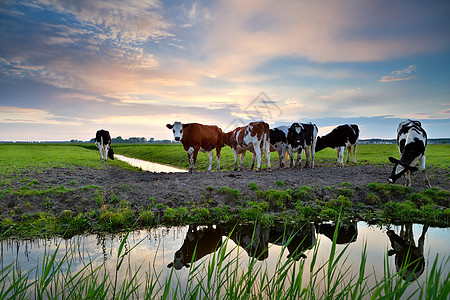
(14, 157)
(19, 157)
(174, 154)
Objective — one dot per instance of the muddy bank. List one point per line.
(89, 191)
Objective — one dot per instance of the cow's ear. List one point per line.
(170, 265)
(393, 160)
(185, 125)
(170, 126)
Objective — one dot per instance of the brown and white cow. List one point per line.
(198, 137)
(103, 143)
(254, 137)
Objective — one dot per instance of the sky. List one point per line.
(69, 68)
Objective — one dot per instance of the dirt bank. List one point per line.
(83, 189)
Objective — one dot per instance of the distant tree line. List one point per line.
(131, 140)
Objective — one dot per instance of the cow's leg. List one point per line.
(235, 159)
(340, 156)
(313, 154)
(99, 146)
(106, 152)
(210, 153)
(299, 158)
(354, 153)
(194, 157)
(218, 158)
(291, 156)
(257, 149)
(267, 150)
(189, 153)
(424, 171)
(308, 156)
(349, 149)
(408, 178)
(280, 157)
(253, 160)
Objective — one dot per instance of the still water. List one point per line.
(159, 249)
(148, 166)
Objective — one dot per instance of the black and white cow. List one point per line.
(302, 136)
(278, 142)
(341, 137)
(411, 140)
(103, 143)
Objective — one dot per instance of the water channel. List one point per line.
(157, 249)
(148, 166)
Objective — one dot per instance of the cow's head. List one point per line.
(399, 169)
(178, 261)
(111, 153)
(177, 129)
(294, 134)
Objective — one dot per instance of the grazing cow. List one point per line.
(198, 137)
(347, 232)
(302, 136)
(296, 239)
(407, 255)
(411, 140)
(341, 137)
(103, 143)
(278, 142)
(197, 244)
(254, 137)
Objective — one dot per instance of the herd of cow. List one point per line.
(260, 140)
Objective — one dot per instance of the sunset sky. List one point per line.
(69, 68)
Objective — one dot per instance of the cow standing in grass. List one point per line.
(341, 137)
(411, 140)
(302, 136)
(198, 137)
(278, 142)
(103, 143)
(254, 137)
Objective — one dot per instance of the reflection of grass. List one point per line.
(223, 276)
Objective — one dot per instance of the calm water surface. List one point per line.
(148, 166)
(161, 248)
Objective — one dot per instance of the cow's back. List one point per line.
(207, 137)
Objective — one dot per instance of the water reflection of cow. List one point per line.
(296, 239)
(406, 253)
(347, 232)
(253, 239)
(197, 244)
(200, 242)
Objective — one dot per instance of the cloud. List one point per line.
(403, 74)
(34, 116)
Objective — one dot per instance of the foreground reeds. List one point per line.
(225, 275)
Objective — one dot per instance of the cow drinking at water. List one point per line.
(411, 140)
(198, 137)
(103, 143)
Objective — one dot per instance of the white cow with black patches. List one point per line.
(411, 140)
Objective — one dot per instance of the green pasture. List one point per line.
(174, 154)
(19, 157)
(16, 157)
